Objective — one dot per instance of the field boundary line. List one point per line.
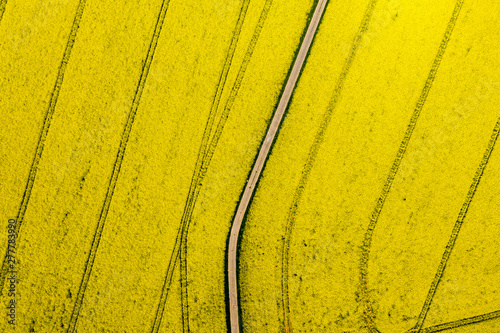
(365, 249)
(54, 96)
(116, 168)
(456, 228)
(287, 322)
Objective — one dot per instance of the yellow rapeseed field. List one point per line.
(309, 261)
(129, 129)
(99, 230)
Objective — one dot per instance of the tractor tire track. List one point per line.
(195, 186)
(116, 168)
(461, 322)
(54, 96)
(456, 229)
(287, 323)
(3, 3)
(365, 249)
(205, 154)
(232, 248)
(204, 164)
(215, 140)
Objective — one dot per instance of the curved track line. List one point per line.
(318, 140)
(204, 151)
(45, 129)
(198, 175)
(461, 322)
(221, 124)
(116, 169)
(205, 154)
(456, 228)
(365, 251)
(259, 164)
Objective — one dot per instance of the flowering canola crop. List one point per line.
(129, 130)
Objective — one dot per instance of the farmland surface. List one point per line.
(129, 129)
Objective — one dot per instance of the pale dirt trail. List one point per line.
(259, 164)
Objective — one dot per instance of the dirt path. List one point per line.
(259, 164)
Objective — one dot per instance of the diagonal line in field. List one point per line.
(199, 173)
(232, 285)
(218, 132)
(311, 158)
(45, 128)
(456, 228)
(116, 169)
(462, 322)
(365, 251)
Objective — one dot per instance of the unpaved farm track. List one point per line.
(259, 164)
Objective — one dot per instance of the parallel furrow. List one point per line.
(116, 169)
(54, 96)
(462, 322)
(456, 228)
(208, 146)
(365, 250)
(313, 152)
